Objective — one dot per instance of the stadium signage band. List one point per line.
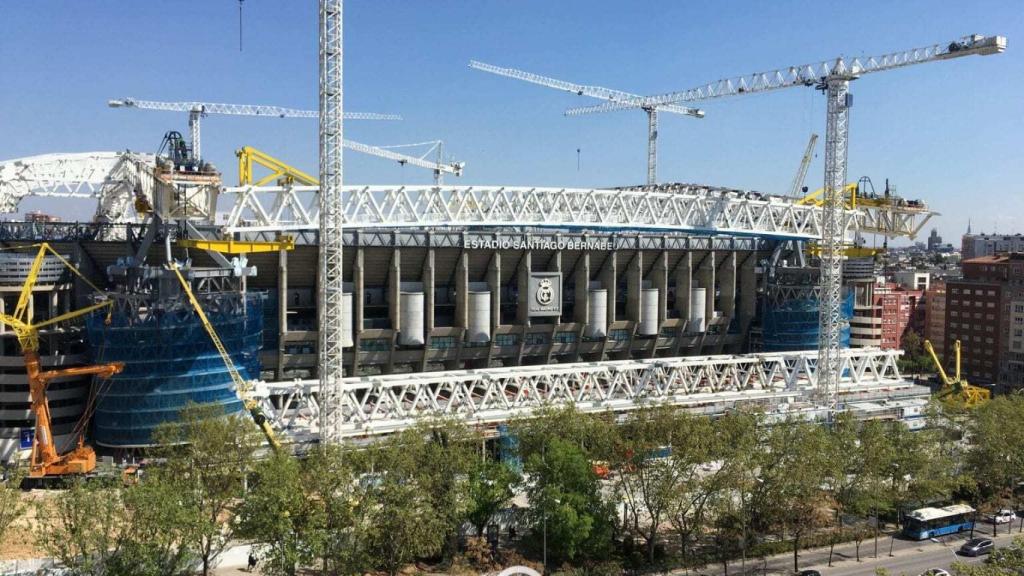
(540, 244)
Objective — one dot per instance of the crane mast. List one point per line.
(833, 78)
(331, 285)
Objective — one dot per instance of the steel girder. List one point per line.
(697, 209)
(383, 404)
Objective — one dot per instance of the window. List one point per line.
(442, 342)
(375, 345)
(991, 292)
(991, 304)
(506, 340)
(619, 335)
(565, 337)
(535, 339)
(967, 291)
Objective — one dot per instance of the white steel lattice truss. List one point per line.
(112, 178)
(383, 404)
(693, 208)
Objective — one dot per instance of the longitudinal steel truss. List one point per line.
(112, 178)
(686, 208)
(383, 404)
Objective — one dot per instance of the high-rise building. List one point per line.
(934, 240)
(883, 313)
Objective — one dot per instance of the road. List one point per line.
(908, 558)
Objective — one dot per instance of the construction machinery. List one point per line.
(956, 390)
(198, 110)
(801, 173)
(832, 77)
(601, 93)
(46, 460)
(242, 387)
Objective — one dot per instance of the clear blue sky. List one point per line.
(949, 133)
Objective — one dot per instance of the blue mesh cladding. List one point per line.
(169, 362)
(794, 325)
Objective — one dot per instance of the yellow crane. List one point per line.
(241, 385)
(46, 461)
(957, 390)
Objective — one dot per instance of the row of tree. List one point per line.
(598, 486)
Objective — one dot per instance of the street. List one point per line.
(908, 557)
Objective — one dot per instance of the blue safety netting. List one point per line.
(793, 325)
(169, 362)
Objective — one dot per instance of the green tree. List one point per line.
(278, 516)
(566, 508)
(592, 433)
(82, 526)
(340, 505)
(160, 538)
(490, 488)
(857, 472)
(444, 452)
(404, 523)
(792, 467)
(652, 486)
(995, 458)
(207, 456)
(923, 468)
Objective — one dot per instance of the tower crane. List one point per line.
(601, 94)
(197, 110)
(832, 77)
(805, 163)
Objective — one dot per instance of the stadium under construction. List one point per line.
(475, 302)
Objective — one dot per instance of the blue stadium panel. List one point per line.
(794, 325)
(169, 362)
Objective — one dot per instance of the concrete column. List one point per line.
(494, 283)
(282, 309)
(523, 282)
(684, 284)
(634, 284)
(358, 295)
(395, 290)
(659, 280)
(706, 279)
(427, 277)
(462, 291)
(608, 282)
(748, 292)
(581, 310)
(727, 282)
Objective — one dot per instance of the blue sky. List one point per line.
(949, 133)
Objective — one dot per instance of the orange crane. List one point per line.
(46, 461)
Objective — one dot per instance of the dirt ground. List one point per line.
(18, 543)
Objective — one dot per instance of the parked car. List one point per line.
(977, 547)
(809, 573)
(1004, 516)
(934, 572)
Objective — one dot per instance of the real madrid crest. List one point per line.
(544, 292)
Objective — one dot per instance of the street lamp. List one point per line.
(951, 551)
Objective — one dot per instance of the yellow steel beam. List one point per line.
(280, 171)
(239, 246)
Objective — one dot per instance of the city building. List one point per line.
(977, 245)
(912, 280)
(934, 241)
(985, 311)
(935, 316)
(883, 313)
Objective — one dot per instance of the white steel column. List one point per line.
(194, 117)
(331, 367)
(831, 319)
